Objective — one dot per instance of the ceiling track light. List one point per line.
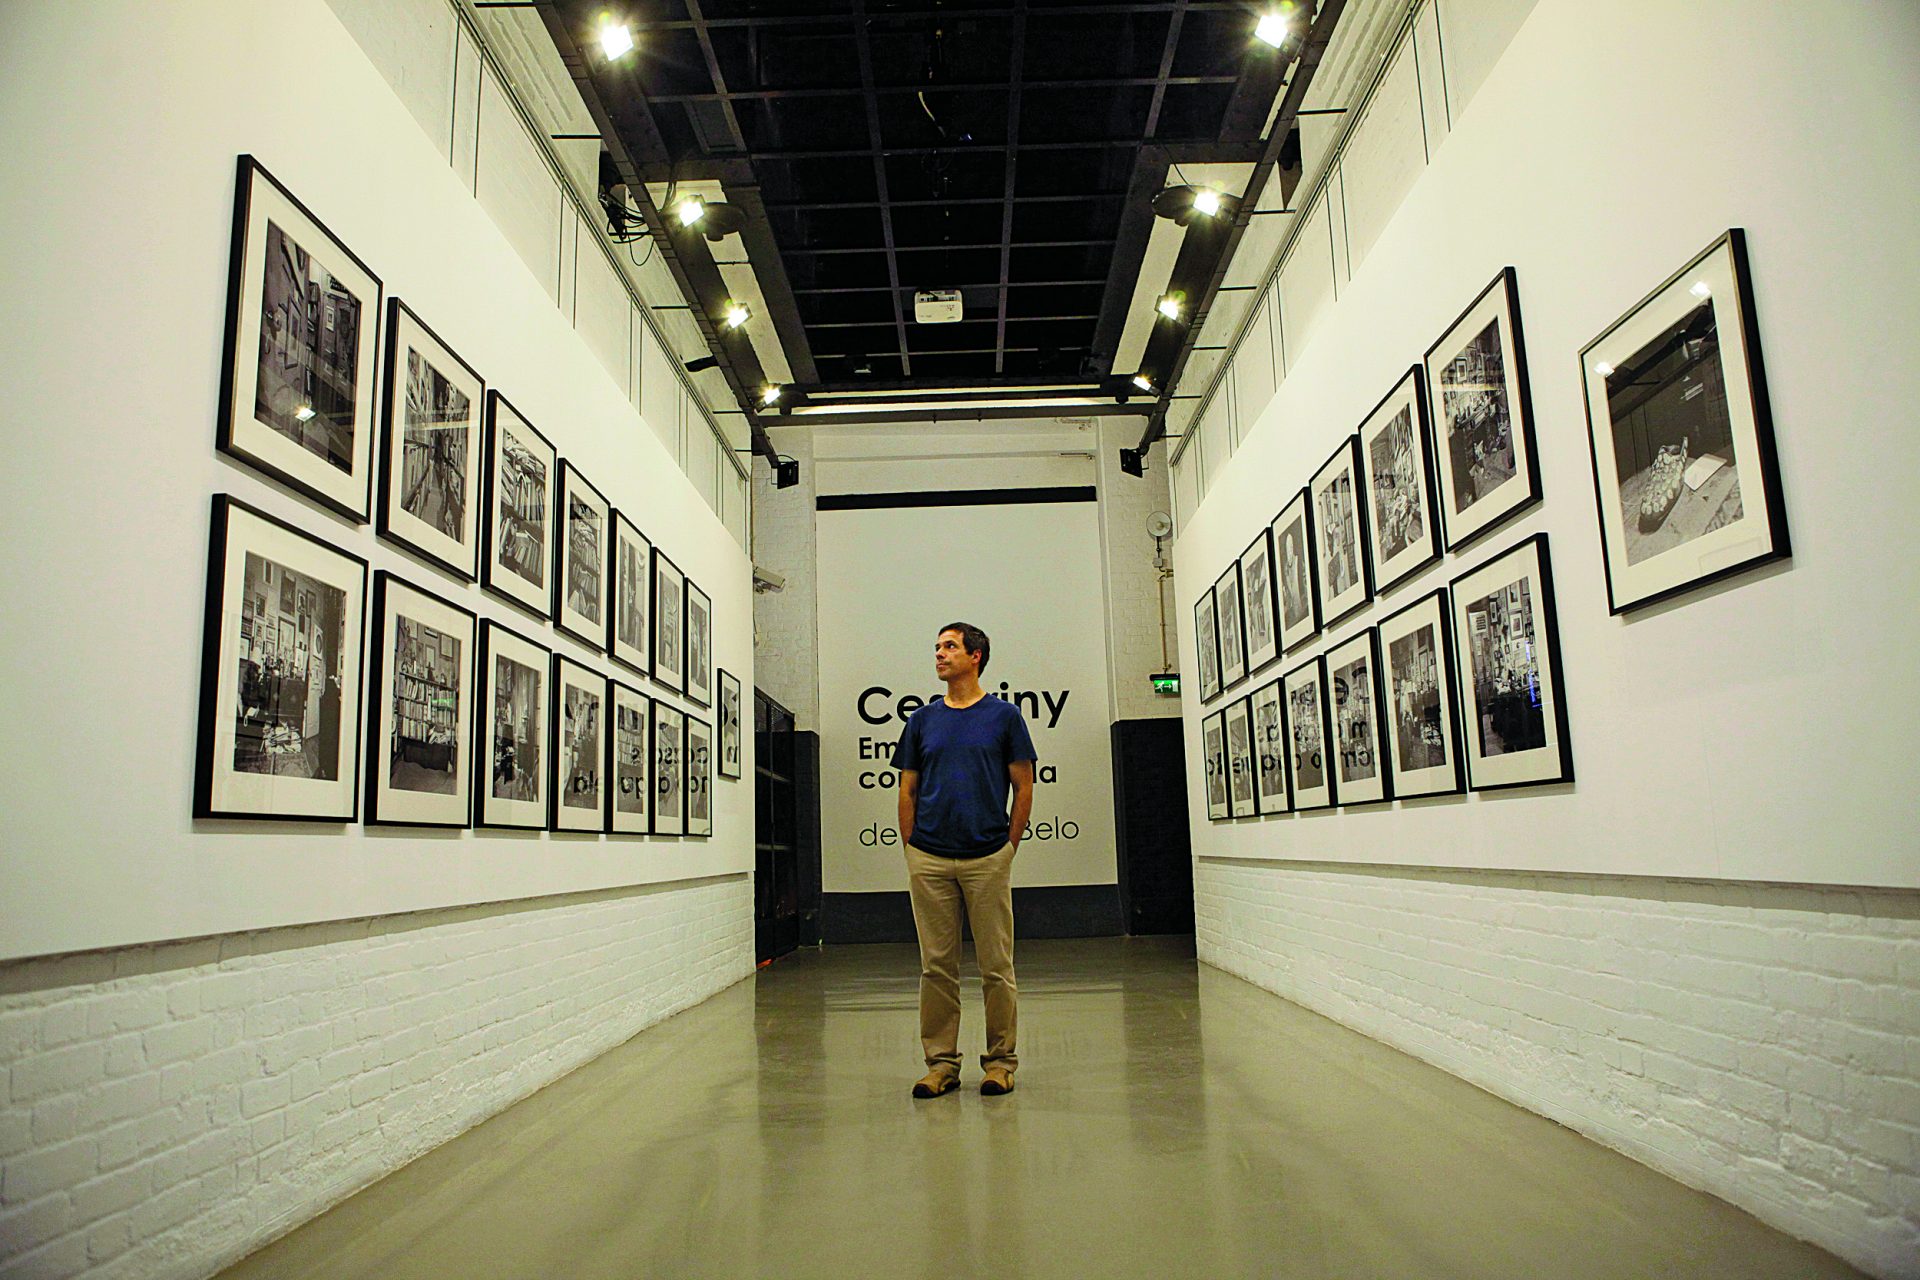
(699, 364)
(1275, 25)
(716, 219)
(616, 39)
(769, 395)
(1173, 305)
(1143, 382)
(737, 314)
(1185, 202)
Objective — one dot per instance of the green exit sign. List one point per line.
(1167, 684)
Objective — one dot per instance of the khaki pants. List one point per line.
(938, 887)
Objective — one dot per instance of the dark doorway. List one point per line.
(1155, 856)
(786, 903)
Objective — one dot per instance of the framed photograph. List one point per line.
(1353, 684)
(629, 777)
(1229, 617)
(1240, 798)
(1213, 749)
(1507, 658)
(699, 646)
(1206, 641)
(1303, 702)
(1340, 535)
(1423, 736)
(420, 722)
(1682, 434)
(296, 378)
(430, 459)
(579, 746)
(1269, 750)
(630, 622)
(1263, 609)
(522, 477)
(512, 731)
(280, 672)
(1292, 532)
(1482, 415)
(669, 622)
(669, 770)
(580, 560)
(730, 725)
(1399, 483)
(699, 777)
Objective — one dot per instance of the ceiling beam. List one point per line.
(777, 19)
(1015, 70)
(974, 86)
(809, 206)
(981, 414)
(864, 44)
(815, 290)
(1184, 150)
(891, 248)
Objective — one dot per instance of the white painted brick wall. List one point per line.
(786, 632)
(1133, 585)
(166, 1109)
(1758, 1042)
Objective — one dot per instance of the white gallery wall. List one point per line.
(1675, 998)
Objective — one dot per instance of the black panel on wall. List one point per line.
(1153, 852)
(806, 781)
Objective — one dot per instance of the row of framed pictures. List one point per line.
(469, 722)
(1460, 688)
(466, 482)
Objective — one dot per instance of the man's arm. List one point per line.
(1021, 774)
(909, 792)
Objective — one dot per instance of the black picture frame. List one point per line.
(253, 378)
(699, 646)
(730, 734)
(669, 770)
(1507, 664)
(1296, 572)
(629, 767)
(1358, 706)
(1423, 745)
(699, 759)
(403, 737)
(630, 597)
(1241, 800)
(1674, 348)
(1259, 592)
(579, 748)
(1396, 458)
(669, 622)
(1231, 620)
(1309, 735)
(450, 452)
(1213, 756)
(518, 533)
(1342, 564)
(1206, 646)
(1461, 357)
(257, 685)
(582, 523)
(1272, 794)
(514, 737)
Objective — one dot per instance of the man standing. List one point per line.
(956, 759)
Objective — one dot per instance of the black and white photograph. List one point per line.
(1399, 484)
(1228, 616)
(580, 563)
(629, 623)
(1206, 643)
(699, 687)
(1353, 683)
(420, 718)
(1293, 564)
(430, 459)
(629, 775)
(1423, 756)
(1213, 755)
(1507, 659)
(1257, 587)
(1269, 749)
(669, 770)
(699, 777)
(731, 750)
(1343, 576)
(1682, 434)
(512, 743)
(669, 622)
(1482, 415)
(280, 672)
(1303, 703)
(1240, 762)
(297, 374)
(579, 746)
(522, 475)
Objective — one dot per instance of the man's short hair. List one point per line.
(972, 639)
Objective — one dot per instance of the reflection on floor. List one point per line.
(1170, 1121)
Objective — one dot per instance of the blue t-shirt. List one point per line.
(962, 758)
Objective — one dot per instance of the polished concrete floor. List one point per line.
(1170, 1121)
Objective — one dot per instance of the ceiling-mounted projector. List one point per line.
(936, 306)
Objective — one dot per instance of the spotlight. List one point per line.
(690, 210)
(700, 364)
(1143, 382)
(304, 413)
(1173, 305)
(1206, 200)
(1184, 202)
(1700, 290)
(616, 39)
(1604, 369)
(1133, 462)
(1274, 27)
(737, 314)
(769, 395)
(786, 473)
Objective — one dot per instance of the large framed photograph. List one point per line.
(1240, 798)
(297, 375)
(629, 771)
(1229, 617)
(512, 743)
(420, 720)
(1292, 532)
(280, 672)
(1263, 608)
(522, 478)
(669, 622)
(1682, 434)
(579, 750)
(1507, 657)
(1353, 683)
(669, 770)
(1340, 535)
(1423, 737)
(1213, 751)
(1269, 750)
(1303, 703)
(1206, 642)
(1482, 415)
(731, 726)
(1399, 483)
(580, 560)
(699, 646)
(630, 621)
(430, 460)
(699, 777)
